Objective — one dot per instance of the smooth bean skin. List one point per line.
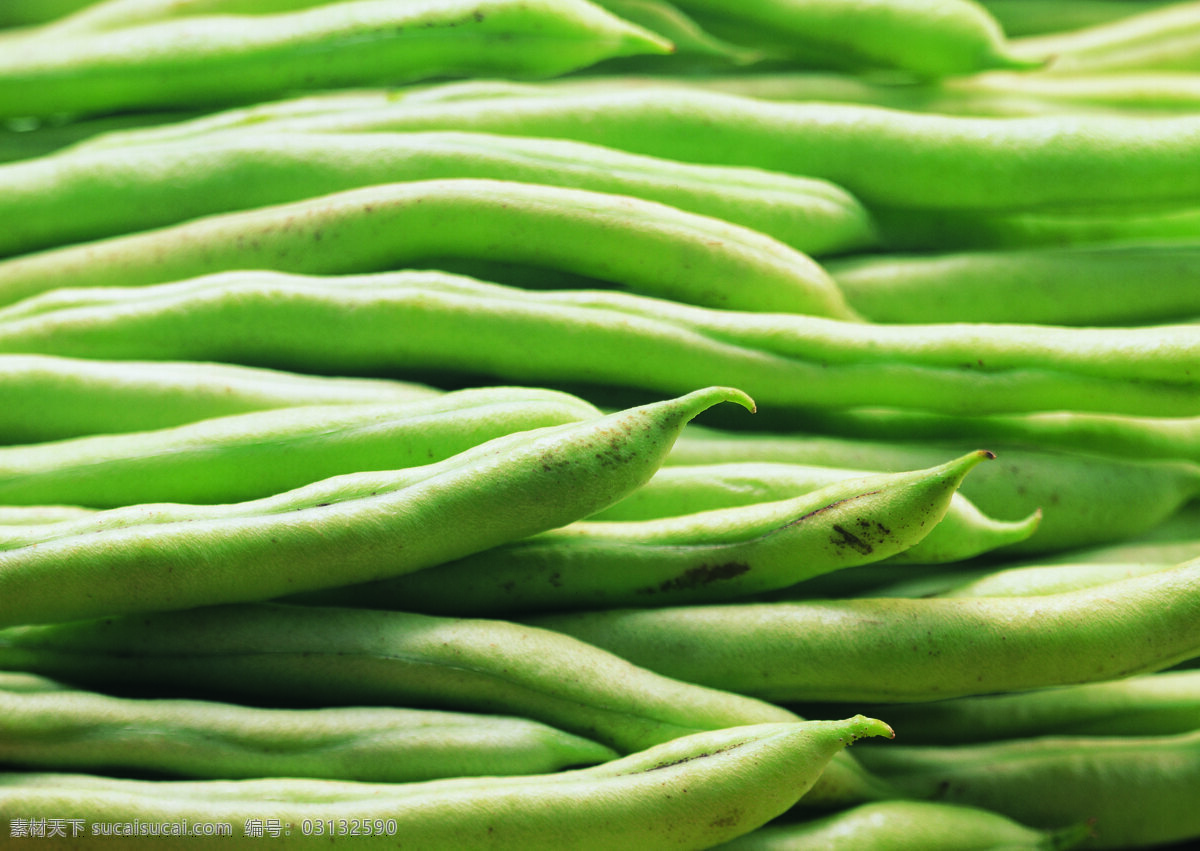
(31, 12)
(905, 826)
(925, 39)
(1136, 791)
(255, 455)
(1162, 704)
(962, 533)
(640, 245)
(735, 780)
(711, 556)
(1070, 286)
(691, 41)
(88, 195)
(933, 230)
(1159, 38)
(1167, 438)
(356, 527)
(1034, 17)
(1168, 544)
(347, 324)
(1086, 499)
(54, 398)
(882, 156)
(215, 60)
(113, 14)
(56, 728)
(284, 655)
(903, 650)
(27, 515)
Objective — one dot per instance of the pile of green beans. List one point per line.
(365, 472)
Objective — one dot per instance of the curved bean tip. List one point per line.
(863, 727)
(702, 400)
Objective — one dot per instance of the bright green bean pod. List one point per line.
(963, 532)
(692, 793)
(57, 728)
(1137, 791)
(691, 41)
(15, 13)
(1159, 38)
(1150, 93)
(258, 454)
(53, 398)
(926, 39)
(220, 59)
(352, 528)
(1004, 582)
(1034, 17)
(1046, 579)
(906, 826)
(348, 325)
(905, 650)
(26, 515)
(1086, 499)
(635, 244)
(1164, 438)
(1168, 544)
(310, 656)
(884, 157)
(86, 195)
(711, 556)
(938, 230)
(1162, 704)
(100, 15)
(1096, 285)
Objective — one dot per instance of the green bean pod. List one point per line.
(352, 528)
(903, 229)
(1035, 17)
(57, 728)
(1094, 285)
(906, 826)
(22, 13)
(1086, 499)
(221, 59)
(311, 656)
(692, 793)
(1161, 704)
(925, 39)
(897, 650)
(101, 15)
(258, 454)
(53, 398)
(1047, 579)
(1159, 38)
(348, 325)
(710, 556)
(883, 157)
(1006, 582)
(28, 515)
(1136, 791)
(86, 195)
(691, 41)
(963, 532)
(1172, 542)
(1166, 438)
(629, 242)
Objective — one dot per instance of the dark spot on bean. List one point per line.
(698, 577)
(849, 539)
(730, 819)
